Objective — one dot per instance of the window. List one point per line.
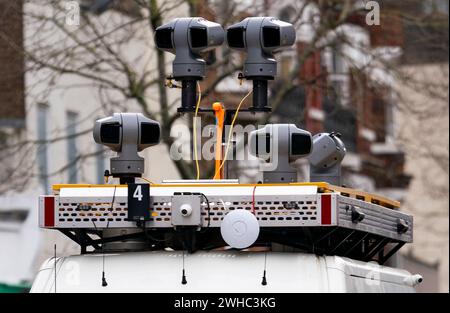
(287, 63)
(14, 216)
(336, 90)
(337, 61)
(72, 151)
(42, 153)
(100, 160)
(435, 6)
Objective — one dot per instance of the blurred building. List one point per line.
(17, 236)
(381, 117)
(45, 133)
(333, 91)
(422, 118)
(397, 128)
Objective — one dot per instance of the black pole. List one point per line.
(260, 94)
(188, 95)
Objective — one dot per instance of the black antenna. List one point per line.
(183, 276)
(104, 283)
(264, 279)
(55, 264)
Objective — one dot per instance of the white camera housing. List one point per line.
(127, 134)
(326, 157)
(186, 210)
(279, 145)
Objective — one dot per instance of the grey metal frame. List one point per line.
(289, 211)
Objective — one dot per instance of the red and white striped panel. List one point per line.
(328, 210)
(47, 212)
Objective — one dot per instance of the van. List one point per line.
(219, 271)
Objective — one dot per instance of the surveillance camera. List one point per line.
(326, 157)
(261, 38)
(108, 132)
(280, 145)
(187, 38)
(328, 150)
(127, 134)
(289, 139)
(413, 280)
(186, 210)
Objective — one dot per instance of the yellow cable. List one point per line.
(231, 132)
(195, 129)
(147, 180)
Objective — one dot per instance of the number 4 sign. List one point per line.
(138, 202)
(138, 192)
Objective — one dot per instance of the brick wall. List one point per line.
(370, 102)
(312, 76)
(12, 85)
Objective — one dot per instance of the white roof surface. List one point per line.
(218, 271)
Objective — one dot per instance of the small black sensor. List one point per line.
(199, 37)
(301, 144)
(235, 38)
(110, 133)
(150, 133)
(163, 38)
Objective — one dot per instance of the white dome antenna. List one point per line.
(240, 229)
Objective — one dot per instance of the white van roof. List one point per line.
(218, 271)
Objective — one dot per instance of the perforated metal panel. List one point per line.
(288, 206)
(289, 212)
(377, 220)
